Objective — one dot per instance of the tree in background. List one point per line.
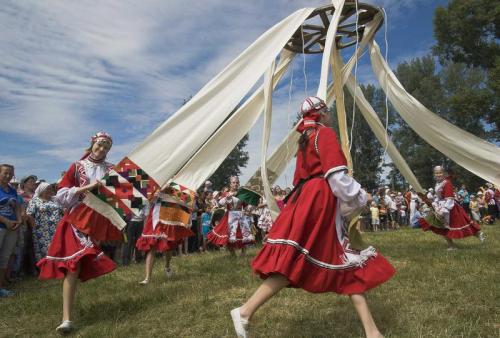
(232, 165)
(467, 31)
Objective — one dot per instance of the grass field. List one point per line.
(435, 293)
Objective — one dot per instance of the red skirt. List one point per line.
(92, 223)
(219, 235)
(162, 238)
(68, 248)
(304, 247)
(461, 225)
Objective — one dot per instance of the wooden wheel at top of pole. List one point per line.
(313, 31)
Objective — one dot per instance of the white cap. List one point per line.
(312, 104)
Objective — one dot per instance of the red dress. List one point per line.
(234, 229)
(161, 237)
(307, 243)
(460, 225)
(77, 234)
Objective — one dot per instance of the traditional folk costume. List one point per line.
(308, 242)
(234, 230)
(455, 221)
(489, 198)
(413, 202)
(159, 234)
(265, 220)
(81, 229)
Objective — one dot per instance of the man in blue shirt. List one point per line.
(10, 218)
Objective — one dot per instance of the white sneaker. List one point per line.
(144, 282)
(169, 273)
(240, 324)
(482, 237)
(65, 327)
(452, 248)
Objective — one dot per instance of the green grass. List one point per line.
(435, 293)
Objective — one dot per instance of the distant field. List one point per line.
(435, 293)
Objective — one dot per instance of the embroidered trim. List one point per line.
(93, 160)
(160, 236)
(305, 252)
(172, 223)
(316, 142)
(216, 234)
(81, 175)
(461, 228)
(335, 169)
(67, 258)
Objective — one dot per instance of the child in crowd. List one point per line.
(206, 220)
(481, 203)
(474, 209)
(403, 215)
(383, 215)
(375, 216)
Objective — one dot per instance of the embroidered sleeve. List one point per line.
(344, 187)
(330, 153)
(66, 195)
(348, 191)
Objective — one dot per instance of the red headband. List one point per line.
(101, 135)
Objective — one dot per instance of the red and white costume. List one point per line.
(307, 242)
(78, 232)
(234, 230)
(160, 236)
(458, 224)
(265, 220)
(489, 198)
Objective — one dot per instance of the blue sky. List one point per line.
(71, 68)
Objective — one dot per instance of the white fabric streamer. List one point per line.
(268, 99)
(171, 145)
(329, 44)
(286, 151)
(474, 154)
(376, 126)
(217, 148)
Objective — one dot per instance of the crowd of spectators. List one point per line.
(29, 217)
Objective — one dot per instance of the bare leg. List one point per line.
(451, 245)
(168, 258)
(69, 292)
(150, 260)
(361, 306)
(271, 286)
(243, 251)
